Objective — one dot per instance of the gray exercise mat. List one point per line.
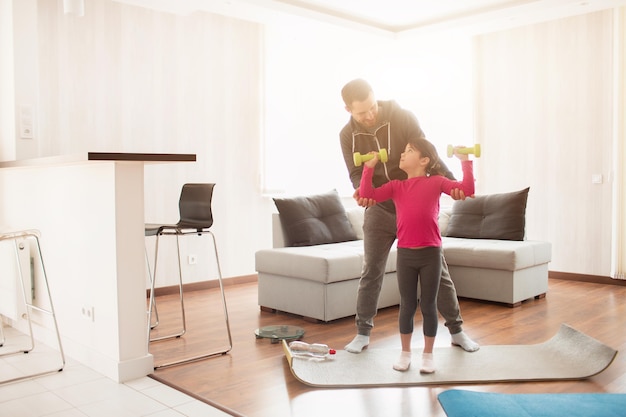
(568, 355)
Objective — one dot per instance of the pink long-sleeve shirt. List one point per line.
(417, 203)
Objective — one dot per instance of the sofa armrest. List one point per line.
(278, 237)
(356, 217)
(444, 219)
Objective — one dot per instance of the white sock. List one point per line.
(403, 362)
(428, 363)
(461, 339)
(359, 343)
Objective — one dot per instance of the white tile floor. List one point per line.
(79, 391)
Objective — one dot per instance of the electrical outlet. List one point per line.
(88, 313)
(192, 259)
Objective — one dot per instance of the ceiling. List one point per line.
(393, 17)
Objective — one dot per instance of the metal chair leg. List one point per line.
(223, 297)
(180, 293)
(154, 307)
(22, 237)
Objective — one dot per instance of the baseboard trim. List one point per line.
(596, 279)
(203, 285)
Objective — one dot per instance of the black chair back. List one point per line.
(194, 206)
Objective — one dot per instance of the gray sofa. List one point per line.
(320, 281)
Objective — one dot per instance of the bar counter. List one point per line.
(89, 208)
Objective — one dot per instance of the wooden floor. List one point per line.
(253, 379)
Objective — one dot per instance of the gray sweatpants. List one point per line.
(379, 230)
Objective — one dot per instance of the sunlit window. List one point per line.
(304, 113)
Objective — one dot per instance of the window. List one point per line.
(304, 112)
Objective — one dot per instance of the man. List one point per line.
(376, 125)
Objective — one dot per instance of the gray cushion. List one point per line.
(314, 220)
(494, 216)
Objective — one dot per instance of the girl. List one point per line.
(419, 239)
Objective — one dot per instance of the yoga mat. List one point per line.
(460, 403)
(569, 354)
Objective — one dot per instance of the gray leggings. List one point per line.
(380, 232)
(423, 267)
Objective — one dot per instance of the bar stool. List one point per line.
(196, 218)
(20, 240)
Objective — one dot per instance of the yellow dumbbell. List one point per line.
(359, 158)
(475, 150)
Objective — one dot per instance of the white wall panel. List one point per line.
(544, 119)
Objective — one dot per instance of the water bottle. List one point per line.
(299, 348)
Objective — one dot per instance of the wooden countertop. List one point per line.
(101, 156)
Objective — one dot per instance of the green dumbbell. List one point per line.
(475, 150)
(359, 158)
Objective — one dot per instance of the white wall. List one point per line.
(545, 99)
(128, 79)
(7, 85)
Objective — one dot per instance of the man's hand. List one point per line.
(458, 194)
(363, 202)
